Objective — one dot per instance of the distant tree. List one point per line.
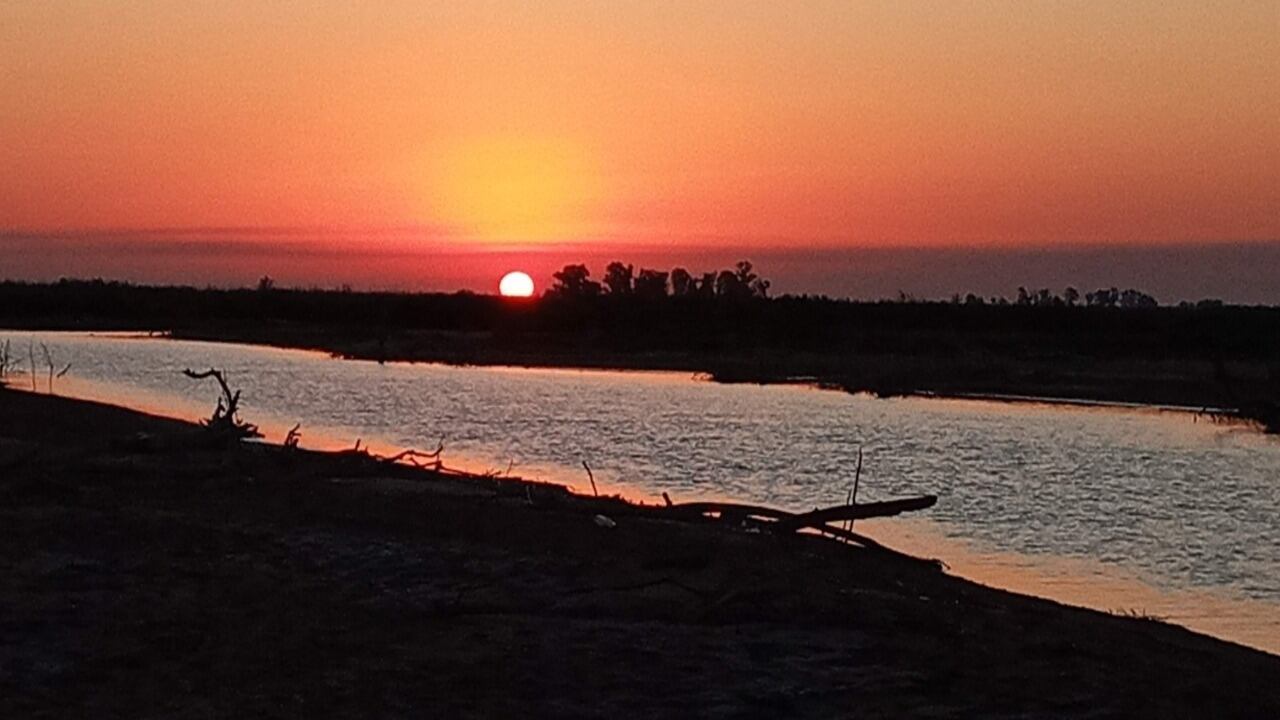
(618, 278)
(266, 284)
(707, 286)
(1024, 297)
(682, 283)
(1071, 296)
(1104, 297)
(651, 283)
(1137, 299)
(726, 284)
(760, 288)
(972, 299)
(573, 281)
(740, 283)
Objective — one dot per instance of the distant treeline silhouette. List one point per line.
(742, 282)
(1104, 344)
(622, 280)
(725, 310)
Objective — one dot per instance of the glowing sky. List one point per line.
(743, 123)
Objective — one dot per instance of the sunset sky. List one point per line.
(431, 145)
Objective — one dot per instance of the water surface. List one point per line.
(1067, 502)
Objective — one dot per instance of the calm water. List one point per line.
(1119, 509)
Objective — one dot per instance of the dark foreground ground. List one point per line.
(156, 578)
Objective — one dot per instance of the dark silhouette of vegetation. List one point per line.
(574, 281)
(621, 280)
(651, 284)
(617, 278)
(225, 423)
(6, 361)
(1107, 344)
(682, 283)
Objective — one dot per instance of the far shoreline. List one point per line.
(1105, 398)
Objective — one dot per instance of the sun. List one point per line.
(516, 284)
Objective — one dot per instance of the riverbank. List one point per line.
(1202, 356)
(160, 576)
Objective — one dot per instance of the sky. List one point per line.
(421, 144)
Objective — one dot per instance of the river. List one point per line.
(1141, 511)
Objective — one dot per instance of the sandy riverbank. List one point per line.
(163, 579)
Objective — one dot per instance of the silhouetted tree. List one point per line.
(618, 278)
(727, 285)
(682, 283)
(707, 286)
(740, 283)
(573, 281)
(1072, 296)
(266, 284)
(1137, 299)
(1104, 297)
(651, 283)
(760, 287)
(753, 283)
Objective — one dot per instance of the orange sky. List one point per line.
(750, 123)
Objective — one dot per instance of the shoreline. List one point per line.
(1055, 577)
(424, 586)
(1212, 358)
(1109, 392)
(1220, 414)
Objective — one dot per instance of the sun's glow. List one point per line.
(513, 189)
(516, 284)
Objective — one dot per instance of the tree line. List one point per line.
(622, 280)
(742, 282)
(1070, 297)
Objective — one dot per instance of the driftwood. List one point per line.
(415, 458)
(293, 438)
(783, 522)
(855, 512)
(791, 522)
(225, 420)
(433, 460)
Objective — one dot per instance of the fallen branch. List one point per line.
(855, 512)
(225, 418)
(414, 456)
(791, 522)
(783, 522)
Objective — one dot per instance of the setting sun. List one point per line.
(516, 284)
